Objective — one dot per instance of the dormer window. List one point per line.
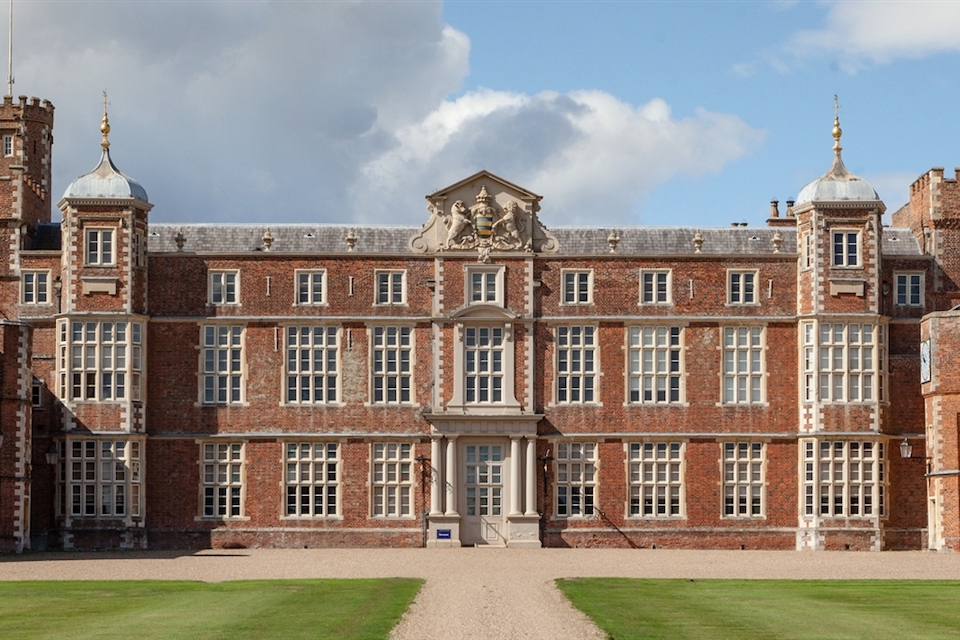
(99, 248)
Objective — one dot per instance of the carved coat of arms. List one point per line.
(486, 225)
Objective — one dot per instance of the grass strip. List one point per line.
(628, 608)
(144, 609)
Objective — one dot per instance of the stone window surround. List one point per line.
(313, 460)
(306, 282)
(297, 378)
(650, 286)
(855, 482)
(485, 294)
(99, 249)
(742, 287)
(744, 479)
(578, 380)
(75, 356)
(390, 287)
(404, 358)
(870, 362)
(35, 287)
(645, 495)
(909, 280)
(236, 376)
(488, 316)
(392, 479)
(223, 287)
(846, 259)
(133, 464)
(635, 370)
(575, 476)
(233, 467)
(576, 286)
(730, 378)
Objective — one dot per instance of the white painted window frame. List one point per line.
(742, 287)
(575, 480)
(744, 482)
(35, 287)
(576, 364)
(100, 360)
(849, 363)
(222, 364)
(390, 287)
(83, 467)
(845, 259)
(311, 364)
(222, 480)
(483, 285)
(656, 286)
(656, 479)
(743, 364)
(223, 286)
(841, 480)
(310, 287)
(99, 247)
(392, 359)
(392, 480)
(312, 487)
(576, 286)
(911, 284)
(655, 364)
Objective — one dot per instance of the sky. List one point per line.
(623, 113)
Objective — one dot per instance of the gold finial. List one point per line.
(837, 132)
(105, 124)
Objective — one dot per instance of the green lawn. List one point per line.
(874, 609)
(258, 609)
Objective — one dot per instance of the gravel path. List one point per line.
(489, 593)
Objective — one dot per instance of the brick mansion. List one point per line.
(480, 379)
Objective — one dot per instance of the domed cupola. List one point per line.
(837, 184)
(105, 181)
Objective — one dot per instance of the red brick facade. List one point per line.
(305, 385)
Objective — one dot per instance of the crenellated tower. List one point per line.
(26, 138)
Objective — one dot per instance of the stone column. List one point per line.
(435, 485)
(515, 476)
(451, 474)
(531, 480)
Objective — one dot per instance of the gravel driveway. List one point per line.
(481, 593)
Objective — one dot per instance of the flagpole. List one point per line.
(10, 54)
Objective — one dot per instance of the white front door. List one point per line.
(484, 492)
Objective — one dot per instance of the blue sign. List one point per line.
(443, 534)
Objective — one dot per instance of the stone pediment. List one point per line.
(483, 213)
(478, 312)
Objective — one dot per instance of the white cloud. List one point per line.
(879, 32)
(589, 154)
(311, 111)
(236, 110)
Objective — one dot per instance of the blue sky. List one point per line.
(618, 113)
